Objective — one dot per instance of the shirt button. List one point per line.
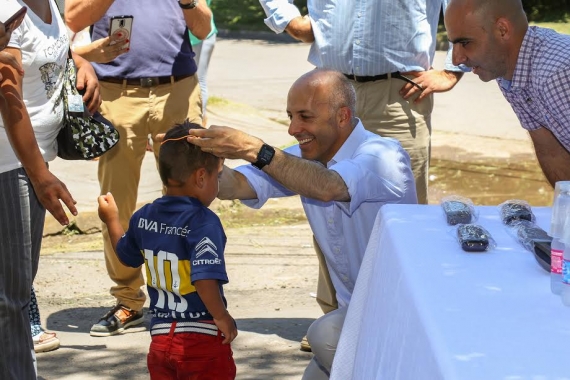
(359, 14)
(357, 42)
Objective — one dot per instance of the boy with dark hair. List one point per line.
(181, 242)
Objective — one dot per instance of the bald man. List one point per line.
(531, 66)
(342, 172)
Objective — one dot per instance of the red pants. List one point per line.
(190, 356)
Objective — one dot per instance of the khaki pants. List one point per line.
(137, 112)
(326, 294)
(383, 111)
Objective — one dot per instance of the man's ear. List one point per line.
(503, 28)
(343, 117)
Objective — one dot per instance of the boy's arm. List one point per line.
(209, 293)
(109, 214)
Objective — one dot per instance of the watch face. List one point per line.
(265, 155)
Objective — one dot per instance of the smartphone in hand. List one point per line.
(120, 30)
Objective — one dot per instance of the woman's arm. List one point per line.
(49, 189)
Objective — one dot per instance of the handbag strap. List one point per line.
(69, 56)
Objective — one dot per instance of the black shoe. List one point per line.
(116, 321)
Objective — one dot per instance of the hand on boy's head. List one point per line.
(227, 326)
(107, 208)
(226, 142)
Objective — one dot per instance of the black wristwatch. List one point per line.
(264, 156)
(191, 5)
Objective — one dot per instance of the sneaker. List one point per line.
(305, 346)
(45, 341)
(116, 321)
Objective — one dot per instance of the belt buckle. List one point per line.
(149, 82)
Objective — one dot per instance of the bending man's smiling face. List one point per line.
(313, 120)
(478, 40)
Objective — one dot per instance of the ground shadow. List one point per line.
(268, 37)
(287, 328)
(80, 363)
(80, 319)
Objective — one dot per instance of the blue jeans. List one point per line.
(203, 52)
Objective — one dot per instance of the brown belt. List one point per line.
(145, 82)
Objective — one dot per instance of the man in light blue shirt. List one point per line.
(373, 42)
(342, 172)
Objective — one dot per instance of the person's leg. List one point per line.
(172, 105)
(157, 360)
(43, 341)
(323, 336)
(383, 111)
(326, 294)
(34, 314)
(202, 357)
(119, 173)
(204, 52)
(21, 226)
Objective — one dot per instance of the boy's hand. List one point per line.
(108, 209)
(227, 326)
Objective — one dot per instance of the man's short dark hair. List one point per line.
(178, 158)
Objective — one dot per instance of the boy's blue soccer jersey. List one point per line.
(180, 241)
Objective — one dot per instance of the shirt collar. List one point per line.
(521, 76)
(346, 151)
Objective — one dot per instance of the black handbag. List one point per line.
(83, 136)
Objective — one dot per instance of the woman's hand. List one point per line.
(103, 50)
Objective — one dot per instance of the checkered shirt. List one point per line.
(540, 89)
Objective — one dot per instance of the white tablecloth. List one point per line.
(423, 309)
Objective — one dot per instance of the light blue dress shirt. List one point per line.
(367, 37)
(376, 171)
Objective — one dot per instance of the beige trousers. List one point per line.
(383, 111)
(137, 112)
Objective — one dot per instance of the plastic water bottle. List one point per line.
(565, 293)
(556, 258)
(560, 212)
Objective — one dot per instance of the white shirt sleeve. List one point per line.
(279, 13)
(377, 174)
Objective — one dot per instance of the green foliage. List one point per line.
(547, 10)
(243, 14)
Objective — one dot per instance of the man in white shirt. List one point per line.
(342, 172)
(386, 48)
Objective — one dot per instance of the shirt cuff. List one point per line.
(280, 17)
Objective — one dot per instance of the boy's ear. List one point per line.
(200, 177)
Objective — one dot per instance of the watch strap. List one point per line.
(191, 5)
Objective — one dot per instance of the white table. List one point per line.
(423, 309)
